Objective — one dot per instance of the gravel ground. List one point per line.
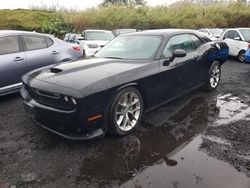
(33, 157)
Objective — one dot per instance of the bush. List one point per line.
(178, 15)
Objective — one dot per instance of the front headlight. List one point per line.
(70, 100)
(92, 45)
(73, 101)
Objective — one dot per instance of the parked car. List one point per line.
(238, 40)
(72, 38)
(67, 36)
(132, 74)
(22, 52)
(212, 33)
(118, 32)
(247, 55)
(93, 40)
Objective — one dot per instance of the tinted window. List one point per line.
(178, 42)
(35, 42)
(49, 41)
(232, 34)
(9, 45)
(196, 41)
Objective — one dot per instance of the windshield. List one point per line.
(246, 34)
(216, 32)
(131, 47)
(99, 35)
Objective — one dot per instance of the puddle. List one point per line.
(169, 155)
(231, 108)
(194, 169)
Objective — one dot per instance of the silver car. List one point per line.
(21, 52)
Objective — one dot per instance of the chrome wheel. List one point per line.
(127, 111)
(215, 76)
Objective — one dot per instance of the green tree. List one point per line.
(124, 2)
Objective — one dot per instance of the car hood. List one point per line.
(93, 75)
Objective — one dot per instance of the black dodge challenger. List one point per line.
(132, 74)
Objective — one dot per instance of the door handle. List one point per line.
(18, 59)
(54, 53)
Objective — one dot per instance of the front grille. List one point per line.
(48, 98)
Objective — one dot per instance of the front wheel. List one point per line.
(214, 76)
(126, 111)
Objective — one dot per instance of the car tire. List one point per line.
(125, 111)
(214, 76)
(241, 56)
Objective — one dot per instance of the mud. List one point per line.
(200, 140)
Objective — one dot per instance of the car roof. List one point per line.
(97, 30)
(237, 28)
(163, 32)
(124, 29)
(13, 32)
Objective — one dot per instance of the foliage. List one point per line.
(33, 20)
(179, 15)
(123, 2)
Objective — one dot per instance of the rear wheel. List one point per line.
(241, 56)
(214, 76)
(126, 111)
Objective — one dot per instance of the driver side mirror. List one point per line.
(179, 53)
(176, 53)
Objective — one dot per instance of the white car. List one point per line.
(92, 41)
(238, 40)
(212, 33)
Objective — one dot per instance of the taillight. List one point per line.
(248, 45)
(77, 48)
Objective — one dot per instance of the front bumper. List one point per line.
(61, 122)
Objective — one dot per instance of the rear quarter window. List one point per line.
(9, 45)
(49, 41)
(35, 42)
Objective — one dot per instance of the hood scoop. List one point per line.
(55, 70)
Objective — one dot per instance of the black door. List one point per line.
(184, 71)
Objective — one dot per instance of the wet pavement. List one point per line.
(200, 140)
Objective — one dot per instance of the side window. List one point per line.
(35, 42)
(84, 35)
(9, 45)
(182, 41)
(232, 34)
(196, 41)
(49, 41)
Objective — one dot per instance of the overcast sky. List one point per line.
(75, 4)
